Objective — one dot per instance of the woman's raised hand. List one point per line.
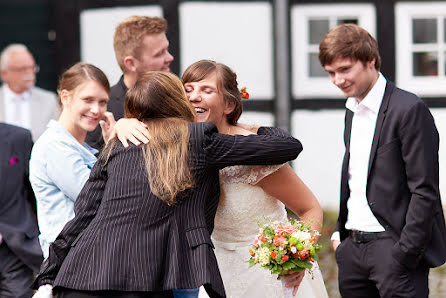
(130, 129)
(107, 125)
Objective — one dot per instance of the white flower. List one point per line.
(301, 236)
(263, 256)
(293, 249)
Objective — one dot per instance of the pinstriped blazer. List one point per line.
(124, 238)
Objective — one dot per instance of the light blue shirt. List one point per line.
(58, 169)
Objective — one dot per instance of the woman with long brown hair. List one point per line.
(144, 218)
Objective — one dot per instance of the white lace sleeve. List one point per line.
(246, 174)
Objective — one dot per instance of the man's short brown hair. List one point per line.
(349, 41)
(130, 33)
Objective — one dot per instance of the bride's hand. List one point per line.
(130, 129)
(294, 279)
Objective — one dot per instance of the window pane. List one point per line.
(318, 29)
(316, 69)
(347, 21)
(424, 30)
(425, 64)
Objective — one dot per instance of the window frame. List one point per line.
(428, 86)
(302, 85)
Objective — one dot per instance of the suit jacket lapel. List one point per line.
(379, 123)
(2, 106)
(347, 133)
(5, 155)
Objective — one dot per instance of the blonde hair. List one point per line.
(158, 98)
(129, 34)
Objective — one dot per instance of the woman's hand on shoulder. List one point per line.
(130, 129)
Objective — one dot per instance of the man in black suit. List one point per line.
(391, 223)
(140, 45)
(20, 252)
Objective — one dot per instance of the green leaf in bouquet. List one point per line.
(251, 263)
(288, 265)
(269, 232)
(316, 258)
(302, 264)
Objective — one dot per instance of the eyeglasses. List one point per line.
(34, 68)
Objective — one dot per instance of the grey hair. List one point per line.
(4, 55)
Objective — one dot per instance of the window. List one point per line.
(239, 34)
(421, 47)
(309, 24)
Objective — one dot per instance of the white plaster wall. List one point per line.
(97, 27)
(319, 165)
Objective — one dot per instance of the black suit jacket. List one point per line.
(18, 224)
(402, 183)
(124, 238)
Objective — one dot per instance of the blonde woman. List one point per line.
(61, 161)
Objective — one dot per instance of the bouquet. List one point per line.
(282, 247)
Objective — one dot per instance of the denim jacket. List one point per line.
(59, 168)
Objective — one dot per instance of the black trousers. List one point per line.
(69, 293)
(369, 270)
(15, 277)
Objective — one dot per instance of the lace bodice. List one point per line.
(243, 203)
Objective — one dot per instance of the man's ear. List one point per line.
(130, 63)
(229, 107)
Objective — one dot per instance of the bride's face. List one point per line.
(208, 100)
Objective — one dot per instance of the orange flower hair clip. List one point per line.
(243, 93)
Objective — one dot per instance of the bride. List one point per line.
(249, 193)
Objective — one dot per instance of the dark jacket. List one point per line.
(18, 224)
(402, 183)
(124, 238)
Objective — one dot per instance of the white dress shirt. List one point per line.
(17, 107)
(365, 113)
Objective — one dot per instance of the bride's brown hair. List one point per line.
(158, 99)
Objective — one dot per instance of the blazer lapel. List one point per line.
(345, 162)
(2, 106)
(5, 155)
(379, 123)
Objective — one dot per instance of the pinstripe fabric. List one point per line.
(124, 238)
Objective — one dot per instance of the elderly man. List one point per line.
(21, 103)
(140, 45)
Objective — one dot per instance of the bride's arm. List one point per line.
(287, 187)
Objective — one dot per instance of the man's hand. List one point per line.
(335, 244)
(107, 125)
(293, 279)
(130, 129)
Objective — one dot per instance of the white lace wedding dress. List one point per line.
(243, 204)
